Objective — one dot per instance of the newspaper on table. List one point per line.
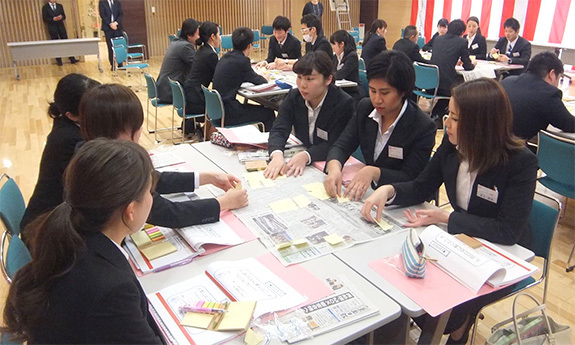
(296, 222)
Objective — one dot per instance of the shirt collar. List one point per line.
(512, 42)
(284, 41)
(214, 49)
(320, 103)
(377, 117)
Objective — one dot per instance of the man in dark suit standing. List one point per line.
(54, 16)
(111, 14)
(408, 44)
(512, 48)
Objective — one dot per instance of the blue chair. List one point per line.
(15, 256)
(227, 42)
(363, 81)
(172, 37)
(427, 78)
(121, 58)
(155, 101)
(362, 65)
(179, 106)
(12, 206)
(267, 30)
(121, 41)
(421, 42)
(140, 46)
(543, 221)
(257, 39)
(556, 157)
(215, 111)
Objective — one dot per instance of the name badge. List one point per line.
(321, 134)
(474, 46)
(395, 152)
(516, 54)
(487, 193)
(284, 55)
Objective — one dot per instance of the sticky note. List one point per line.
(157, 250)
(342, 199)
(470, 241)
(283, 245)
(148, 226)
(198, 320)
(384, 225)
(333, 239)
(256, 165)
(299, 243)
(316, 190)
(267, 183)
(141, 239)
(253, 338)
(239, 186)
(283, 205)
(301, 200)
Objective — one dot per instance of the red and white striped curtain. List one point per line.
(542, 22)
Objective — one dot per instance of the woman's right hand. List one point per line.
(277, 166)
(233, 199)
(333, 182)
(377, 200)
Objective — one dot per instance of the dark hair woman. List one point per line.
(345, 61)
(374, 42)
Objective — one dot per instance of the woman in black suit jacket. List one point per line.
(346, 61)
(394, 135)
(203, 68)
(374, 42)
(477, 45)
(489, 177)
(331, 109)
(79, 287)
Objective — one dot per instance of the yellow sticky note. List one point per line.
(316, 190)
(300, 242)
(283, 205)
(141, 239)
(253, 338)
(283, 245)
(148, 226)
(267, 182)
(384, 225)
(239, 186)
(301, 200)
(198, 320)
(333, 239)
(238, 317)
(342, 199)
(157, 250)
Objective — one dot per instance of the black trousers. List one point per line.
(238, 113)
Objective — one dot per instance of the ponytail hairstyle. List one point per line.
(207, 29)
(108, 111)
(345, 37)
(377, 24)
(68, 93)
(102, 179)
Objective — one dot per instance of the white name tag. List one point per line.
(395, 152)
(516, 54)
(487, 193)
(321, 134)
(474, 46)
(284, 55)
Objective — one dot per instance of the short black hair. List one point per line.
(542, 63)
(343, 36)
(242, 37)
(395, 68)
(312, 21)
(511, 23)
(318, 60)
(281, 23)
(443, 22)
(410, 30)
(456, 27)
(189, 28)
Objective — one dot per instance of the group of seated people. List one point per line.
(97, 185)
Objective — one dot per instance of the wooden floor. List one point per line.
(24, 126)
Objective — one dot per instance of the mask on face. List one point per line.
(307, 38)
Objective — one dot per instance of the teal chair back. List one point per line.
(355, 35)
(119, 41)
(426, 76)
(256, 35)
(542, 221)
(178, 100)
(151, 87)
(363, 81)
(16, 256)
(172, 37)
(267, 30)
(214, 106)
(556, 157)
(12, 205)
(362, 65)
(421, 42)
(227, 42)
(120, 53)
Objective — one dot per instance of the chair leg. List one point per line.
(570, 268)
(148, 117)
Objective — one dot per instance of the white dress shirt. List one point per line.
(464, 184)
(470, 40)
(382, 138)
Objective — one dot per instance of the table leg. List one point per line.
(16, 70)
(433, 329)
(395, 332)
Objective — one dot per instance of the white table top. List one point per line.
(53, 42)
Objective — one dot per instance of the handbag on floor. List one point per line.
(534, 330)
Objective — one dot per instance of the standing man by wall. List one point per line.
(54, 16)
(111, 14)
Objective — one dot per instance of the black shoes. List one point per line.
(59, 62)
(73, 60)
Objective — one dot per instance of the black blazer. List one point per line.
(202, 73)
(98, 301)
(308, 8)
(233, 69)
(335, 112)
(321, 43)
(291, 49)
(375, 45)
(106, 14)
(414, 134)
(505, 221)
(185, 213)
(349, 71)
(177, 64)
(520, 54)
(429, 45)
(447, 50)
(59, 149)
(478, 47)
(410, 49)
(536, 104)
(48, 14)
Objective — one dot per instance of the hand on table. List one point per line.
(361, 182)
(426, 217)
(377, 200)
(220, 180)
(233, 199)
(333, 181)
(276, 166)
(296, 164)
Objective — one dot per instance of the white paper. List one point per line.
(214, 233)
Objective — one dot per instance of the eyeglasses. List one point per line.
(304, 30)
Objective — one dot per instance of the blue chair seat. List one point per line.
(135, 55)
(135, 65)
(524, 283)
(157, 103)
(558, 187)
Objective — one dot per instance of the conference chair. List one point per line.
(363, 81)
(362, 65)
(14, 255)
(427, 78)
(171, 37)
(556, 157)
(139, 46)
(227, 43)
(179, 107)
(420, 42)
(266, 32)
(122, 41)
(257, 39)
(216, 113)
(121, 58)
(542, 221)
(12, 205)
(155, 101)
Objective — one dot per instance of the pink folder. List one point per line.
(350, 168)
